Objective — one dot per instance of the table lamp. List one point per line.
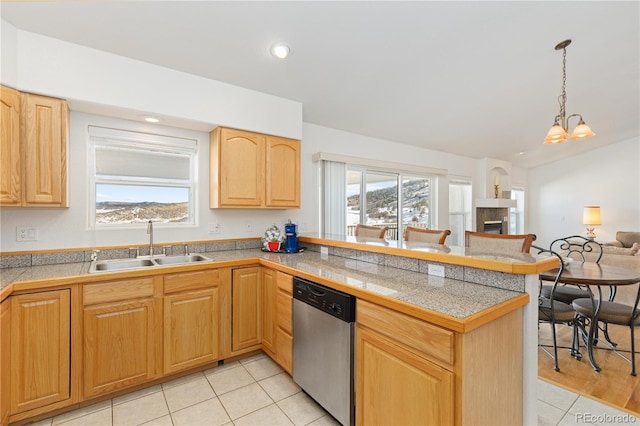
(591, 217)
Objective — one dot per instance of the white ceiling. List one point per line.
(479, 79)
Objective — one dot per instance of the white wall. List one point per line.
(608, 177)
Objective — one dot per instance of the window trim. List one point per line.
(98, 136)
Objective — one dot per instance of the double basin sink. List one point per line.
(113, 265)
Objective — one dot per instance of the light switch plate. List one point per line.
(435, 270)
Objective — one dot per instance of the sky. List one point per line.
(138, 193)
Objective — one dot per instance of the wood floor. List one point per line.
(612, 386)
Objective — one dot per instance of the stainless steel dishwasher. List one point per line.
(323, 347)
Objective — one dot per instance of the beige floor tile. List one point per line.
(182, 380)
(243, 401)
(556, 396)
(263, 368)
(588, 410)
(223, 367)
(325, 421)
(188, 393)
(81, 412)
(270, 415)
(253, 358)
(97, 418)
(230, 379)
(140, 410)
(137, 394)
(279, 386)
(160, 421)
(209, 412)
(548, 415)
(43, 422)
(301, 409)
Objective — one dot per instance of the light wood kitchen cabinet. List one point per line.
(252, 170)
(246, 328)
(284, 329)
(393, 375)
(34, 154)
(10, 154)
(191, 320)
(45, 134)
(5, 361)
(269, 310)
(40, 349)
(122, 334)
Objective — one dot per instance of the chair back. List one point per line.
(370, 231)
(519, 243)
(422, 235)
(577, 247)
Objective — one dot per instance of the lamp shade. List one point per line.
(591, 215)
(556, 135)
(582, 131)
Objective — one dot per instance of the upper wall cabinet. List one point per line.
(252, 170)
(34, 150)
(10, 161)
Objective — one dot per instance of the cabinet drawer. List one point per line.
(117, 290)
(283, 311)
(285, 282)
(420, 335)
(191, 281)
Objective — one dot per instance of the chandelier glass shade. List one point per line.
(560, 129)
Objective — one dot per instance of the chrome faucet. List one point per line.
(150, 232)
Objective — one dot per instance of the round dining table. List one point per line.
(593, 275)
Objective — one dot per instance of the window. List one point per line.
(137, 177)
(460, 210)
(516, 219)
(386, 199)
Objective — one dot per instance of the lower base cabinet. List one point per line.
(5, 361)
(121, 338)
(396, 386)
(283, 322)
(191, 320)
(40, 349)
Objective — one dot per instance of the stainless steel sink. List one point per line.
(119, 264)
(176, 260)
(113, 265)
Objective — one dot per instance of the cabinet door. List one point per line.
(282, 172)
(10, 155)
(40, 349)
(120, 346)
(44, 132)
(190, 329)
(5, 361)
(269, 309)
(245, 296)
(241, 174)
(391, 378)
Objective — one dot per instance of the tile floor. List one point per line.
(256, 391)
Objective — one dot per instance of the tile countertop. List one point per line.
(450, 297)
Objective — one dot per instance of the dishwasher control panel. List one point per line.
(340, 305)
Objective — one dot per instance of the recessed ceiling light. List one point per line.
(151, 120)
(280, 50)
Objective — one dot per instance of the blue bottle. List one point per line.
(291, 232)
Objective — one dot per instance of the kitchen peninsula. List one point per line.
(459, 347)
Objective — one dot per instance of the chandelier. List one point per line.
(560, 129)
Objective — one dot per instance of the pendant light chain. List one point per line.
(563, 96)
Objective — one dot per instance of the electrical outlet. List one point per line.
(26, 233)
(324, 250)
(214, 228)
(435, 270)
(248, 228)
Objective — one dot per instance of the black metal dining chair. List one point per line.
(574, 248)
(553, 311)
